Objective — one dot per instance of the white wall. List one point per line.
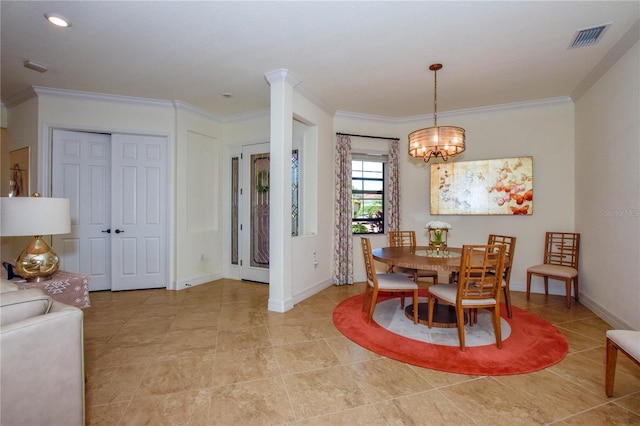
(22, 132)
(190, 134)
(241, 131)
(544, 131)
(318, 140)
(197, 207)
(317, 236)
(608, 192)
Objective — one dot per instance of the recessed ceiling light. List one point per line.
(227, 95)
(57, 20)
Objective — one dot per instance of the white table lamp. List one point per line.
(37, 216)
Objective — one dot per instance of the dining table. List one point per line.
(425, 258)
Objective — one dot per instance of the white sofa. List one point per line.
(41, 359)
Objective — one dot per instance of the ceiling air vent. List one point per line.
(588, 36)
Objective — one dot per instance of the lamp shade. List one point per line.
(34, 216)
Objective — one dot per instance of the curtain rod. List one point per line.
(370, 137)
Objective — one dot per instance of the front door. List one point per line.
(254, 227)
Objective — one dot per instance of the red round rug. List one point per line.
(534, 344)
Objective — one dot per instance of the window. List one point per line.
(367, 187)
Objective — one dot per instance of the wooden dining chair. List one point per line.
(478, 287)
(387, 282)
(408, 239)
(560, 262)
(510, 243)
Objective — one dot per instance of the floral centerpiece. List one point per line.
(438, 234)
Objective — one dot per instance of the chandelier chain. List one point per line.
(435, 98)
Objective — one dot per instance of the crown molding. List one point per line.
(314, 99)
(303, 91)
(43, 91)
(366, 117)
(490, 108)
(455, 113)
(21, 97)
(101, 97)
(247, 115)
(282, 74)
(181, 105)
(628, 40)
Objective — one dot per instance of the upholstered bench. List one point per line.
(625, 341)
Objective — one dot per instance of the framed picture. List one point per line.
(486, 187)
(19, 172)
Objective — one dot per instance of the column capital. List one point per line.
(282, 74)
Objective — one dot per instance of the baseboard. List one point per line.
(607, 316)
(557, 289)
(280, 305)
(194, 281)
(308, 292)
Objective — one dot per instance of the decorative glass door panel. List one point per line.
(260, 210)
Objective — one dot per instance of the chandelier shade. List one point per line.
(437, 141)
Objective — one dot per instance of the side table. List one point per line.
(66, 287)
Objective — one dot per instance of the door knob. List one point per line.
(108, 231)
(118, 231)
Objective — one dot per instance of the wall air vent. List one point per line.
(588, 36)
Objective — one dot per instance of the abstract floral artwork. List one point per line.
(486, 187)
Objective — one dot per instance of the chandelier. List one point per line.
(436, 141)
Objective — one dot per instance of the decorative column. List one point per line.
(280, 282)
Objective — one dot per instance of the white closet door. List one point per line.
(138, 211)
(118, 190)
(81, 172)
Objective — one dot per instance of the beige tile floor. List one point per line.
(213, 354)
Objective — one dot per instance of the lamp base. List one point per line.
(38, 262)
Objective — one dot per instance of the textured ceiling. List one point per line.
(360, 57)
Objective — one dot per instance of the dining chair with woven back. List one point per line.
(478, 287)
(561, 252)
(510, 243)
(408, 239)
(385, 282)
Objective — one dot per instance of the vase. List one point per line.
(438, 240)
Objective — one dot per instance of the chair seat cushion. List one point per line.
(553, 270)
(395, 282)
(629, 340)
(449, 292)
